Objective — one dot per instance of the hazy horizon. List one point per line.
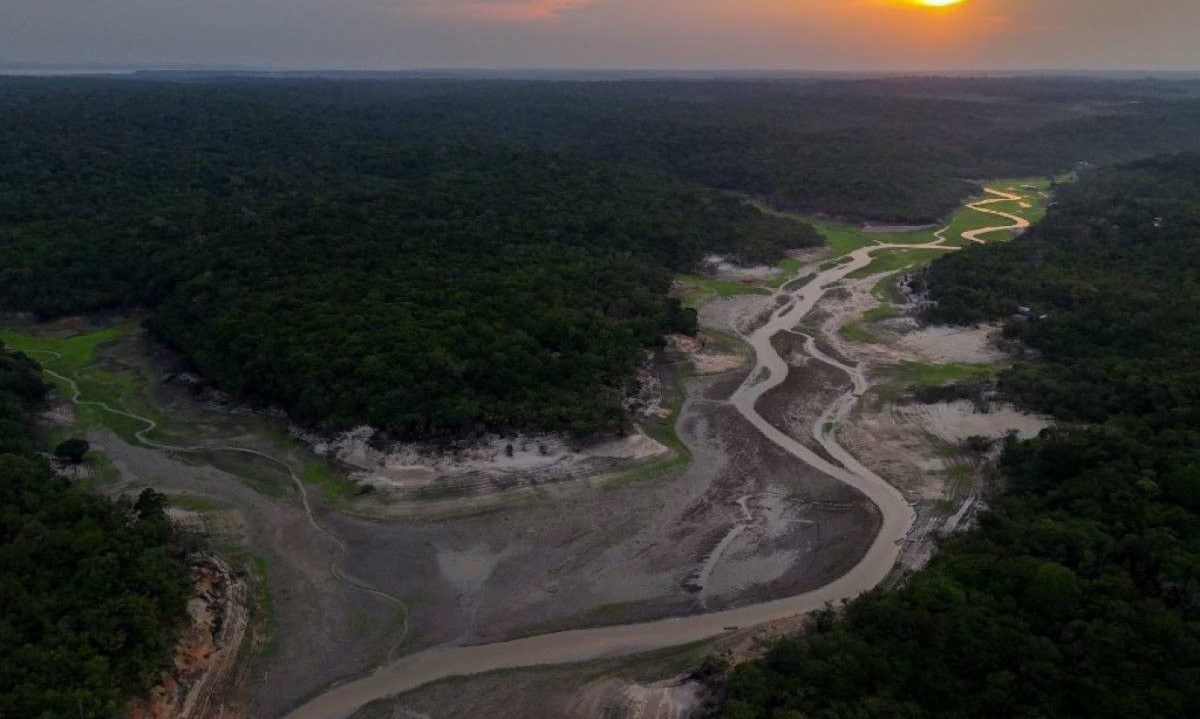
(799, 36)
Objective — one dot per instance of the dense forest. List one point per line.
(90, 589)
(431, 287)
(440, 258)
(1078, 595)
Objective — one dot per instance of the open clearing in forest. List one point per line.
(697, 290)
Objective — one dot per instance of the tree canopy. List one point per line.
(91, 590)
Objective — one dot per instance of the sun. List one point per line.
(938, 3)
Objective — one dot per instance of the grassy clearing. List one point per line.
(698, 290)
(91, 359)
(929, 375)
(967, 219)
(878, 314)
(898, 379)
(845, 238)
(788, 267)
(100, 379)
(895, 260)
(1031, 206)
(313, 470)
(841, 237)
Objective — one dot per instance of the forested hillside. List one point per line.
(442, 258)
(429, 286)
(1079, 593)
(90, 590)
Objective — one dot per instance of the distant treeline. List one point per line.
(443, 257)
(1079, 593)
(91, 590)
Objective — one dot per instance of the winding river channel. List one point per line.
(771, 370)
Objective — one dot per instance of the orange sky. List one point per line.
(708, 34)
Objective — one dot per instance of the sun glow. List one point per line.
(939, 3)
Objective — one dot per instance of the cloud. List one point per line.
(507, 10)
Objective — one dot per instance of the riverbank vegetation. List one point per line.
(91, 590)
(1078, 595)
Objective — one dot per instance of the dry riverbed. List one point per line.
(753, 491)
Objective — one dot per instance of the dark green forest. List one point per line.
(431, 287)
(438, 258)
(90, 589)
(1078, 595)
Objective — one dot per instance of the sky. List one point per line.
(814, 35)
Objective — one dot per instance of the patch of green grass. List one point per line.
(316, 471)
(924, 374)
(841, 237)
(888, 261)
(261, 602)
(878, 314)
(967, 219)
(788, 267)
(192, 503)
(86, 359)
(335, 486)
(960, 476)
(264, 477)
(699, 290)
(78, 357)
(101, 467)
